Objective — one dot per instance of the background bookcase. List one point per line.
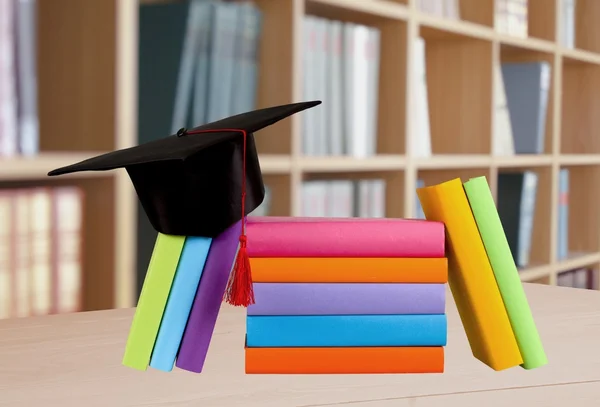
(88, 104)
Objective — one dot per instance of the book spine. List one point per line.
(504, 268)
(23, 252)
(502, 138)
(528, 201)
(346, 330)
(153, 299)
(26, 12)
(323, 112)
(179, 304)
(349, 270)
(420, 133)
(246, 66)
(341, 299)
(6, 255)
(419, 214)
(545, 81)
(501, 16)
(225, 26)
(187, 66)
(563, 214)
(41, 251)
(372, 56)
(341, 202)
(344, 360)
(309, 43)
(363, 198)
(8, 79)
(314, 198)
(207, 302)
(349, 89)
(69, 226)
(346, 239)
(335, 82)
(360, 114)
(377, 198)
(201, 80)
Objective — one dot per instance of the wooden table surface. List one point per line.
(75, 360)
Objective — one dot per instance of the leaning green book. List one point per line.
(506, 273)
(153, 300)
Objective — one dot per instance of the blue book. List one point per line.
(563, 214)
(346, 330)
(181, 297)
(527, 86)
(419, 209)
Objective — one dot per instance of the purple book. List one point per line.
(208, 300)
(347, 299)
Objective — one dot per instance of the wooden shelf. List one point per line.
(348, 164)
(532, 274)
(37, 167)
(450, 161)
(275, 164)
(358, 9)
(88, 104)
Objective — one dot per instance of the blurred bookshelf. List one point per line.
(432, 98)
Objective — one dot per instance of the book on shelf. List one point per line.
(198, 62)
(567, 23)
(343, 198)
(511, 17)
(419, 214)
(19, 128)
(563, 214)
(441, 8)
(517, 193)
(521, 97)
(582, 278)
(40, 241)
(527, 87)
(265, 207)
(502, 136)
(341, 68)
(420, 132)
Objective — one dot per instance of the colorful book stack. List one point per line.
(346, 296)
(483, 276)
(351, 295)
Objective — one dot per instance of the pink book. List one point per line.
(343, 237)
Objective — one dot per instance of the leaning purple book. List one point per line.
(209, 297)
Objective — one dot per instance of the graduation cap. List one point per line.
(200, 181)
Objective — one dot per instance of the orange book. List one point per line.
(348, 270)
(336, 360)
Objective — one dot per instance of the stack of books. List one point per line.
(349, 295)
(345, 295)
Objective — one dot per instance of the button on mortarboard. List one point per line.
(191, 183)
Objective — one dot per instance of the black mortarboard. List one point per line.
(199, 182)
(190, 183)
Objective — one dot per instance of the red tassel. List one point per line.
(239, 290)
(239, 287)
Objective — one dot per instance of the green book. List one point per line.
(153, 300)
(506, 273)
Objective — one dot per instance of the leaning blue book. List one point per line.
(181, 297)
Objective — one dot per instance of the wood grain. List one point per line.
(75, 360)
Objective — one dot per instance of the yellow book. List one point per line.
(471, 278)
